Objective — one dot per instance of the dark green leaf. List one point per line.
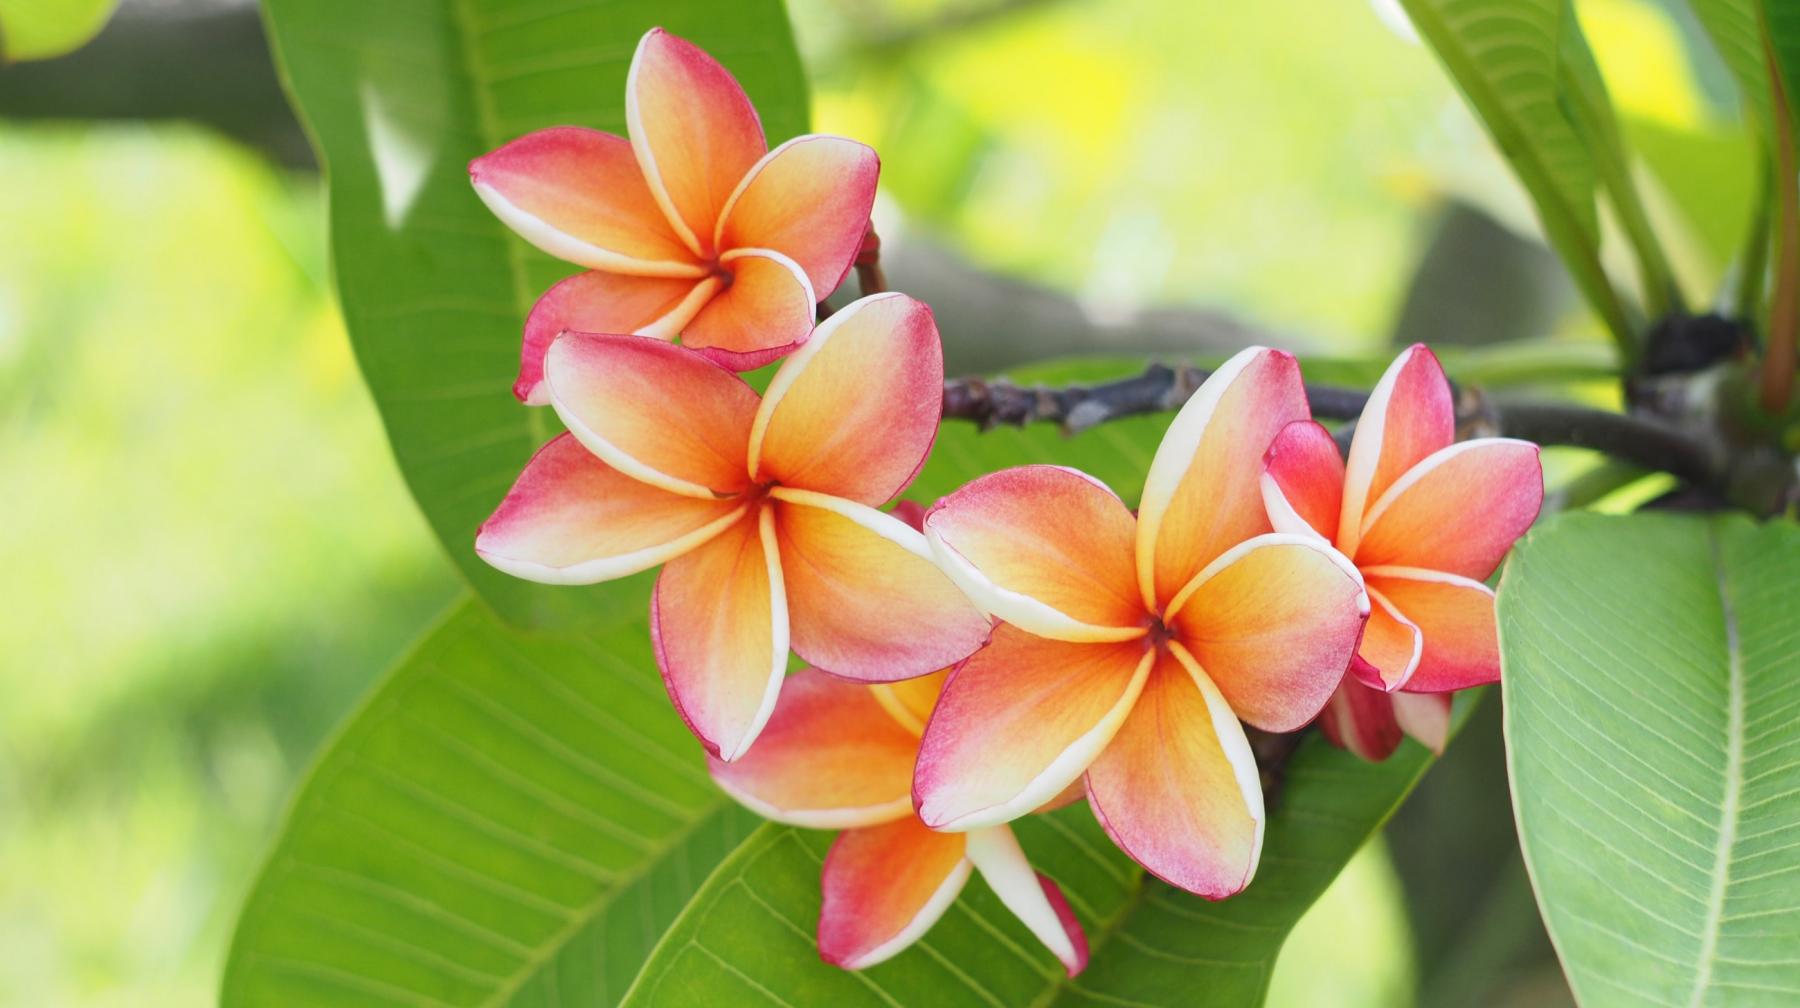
(1736, 32)
(398, 97)
(1651, 686)
(508, 820)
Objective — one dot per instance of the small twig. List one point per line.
(1641, 441)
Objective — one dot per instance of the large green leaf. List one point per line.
(1781, 19)
(398, 97)
(1736, 31)
(1506, 57)
(509, 820)
(1652, 689)
(747, 938)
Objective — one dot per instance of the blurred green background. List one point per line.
(209, 554)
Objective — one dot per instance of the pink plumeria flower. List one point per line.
(837, 755)
(690, 228)
(762, 510)
(1426, 519)
(1132, 645)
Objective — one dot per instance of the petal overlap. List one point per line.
(718, 620)
(765, 311)
(1455, 617)
(596, 302)
(1018, 721)
(1045, 548)
(1459, 510)
(1408, 416)
(572, 519)
(1303, 480)
(854, 411)
(864, 599)
(1177, 787)
(809, 197)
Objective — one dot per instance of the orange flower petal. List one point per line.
(1362, 720)
(1274, 622)
(1455, 616)
(1177, 789)
(657, 413)
(864, 599)
(1390, 649)
(1408, 416)
(853, 412)
(810, 198)
(884, 886)
(596, 302)
(1044, 548)
(766, 311)
(1459, 510)
(573, 519)
(1018, 721)
(1303, 480)
(1424, 716)
(718, 620)
(1204, 491)
(1032, 898)
(694, 131)
(909, 701)
(578, 194)
(829, 758)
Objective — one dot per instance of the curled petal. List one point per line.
(853, 412)
(1362, 720)
(1408, 416)
(573, 519)
(864, 599)
(656, 412)
(1044, 548)
(1303, 480)
(1203, 494)
(766, 311)
(1032, 898)
(694, 131)
(909, 701)
(1391, 647)
(1424, 716)
(1018, 721)
(829, 758)
(810, 198)
(1459, 510)
(718, 621)
(1274, 622)
(1455, 617)
(578, 194)
(596, 302)
(1177, 789)
(884, 886)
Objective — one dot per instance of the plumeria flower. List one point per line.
(1132, 645)
(762, 511)
(1426, 519)
(838, 755)
(690, 228)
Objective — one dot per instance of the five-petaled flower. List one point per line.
(1426, 519)
(1131, 646)
(690, 228)
(839, 755)
(762, 511)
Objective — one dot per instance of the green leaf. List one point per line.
(398, 98)
(1781, 18)
(508, 820)
(43, 29)
(1735, 29)
(1651, 689)
(1506, 57)
(748, 935)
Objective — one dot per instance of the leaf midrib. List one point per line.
(1734, 775)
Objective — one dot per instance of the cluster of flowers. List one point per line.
(1027, 641)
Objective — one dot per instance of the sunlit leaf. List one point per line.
(42, 29)
(1651, 689)
(398, 98)
(1506, 57)
(508, 820)
(1734, 28)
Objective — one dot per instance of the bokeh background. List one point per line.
(208, 554)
